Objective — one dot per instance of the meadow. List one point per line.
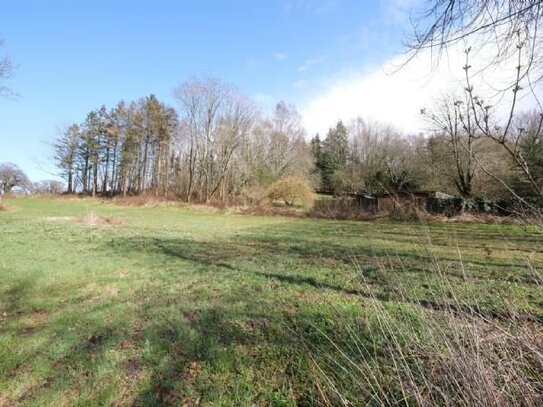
(166, 304)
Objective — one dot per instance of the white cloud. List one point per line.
(280, 56)
(396, 97)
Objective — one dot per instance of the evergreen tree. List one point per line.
(317, 151)
(333, 155)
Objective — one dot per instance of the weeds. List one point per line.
(455, 354)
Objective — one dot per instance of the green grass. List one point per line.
(179, 305)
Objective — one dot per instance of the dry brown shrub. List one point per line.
(346, 208)
(217, 203)
(272, 210)
(291, 189)
(254, 195)
(409, 214)
(483, 218)
(94, 220)
(475, 361)
(140, 200)
(339, 208)
(67, 197)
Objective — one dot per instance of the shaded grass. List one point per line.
(177, 305)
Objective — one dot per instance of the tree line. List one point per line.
(454, 158)
(217, 145)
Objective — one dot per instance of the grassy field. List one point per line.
(169, 305)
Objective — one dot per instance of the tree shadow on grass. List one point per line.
(13, 297)
(199, 349)
(286, 242)
(231, 256)
(211, 354)
(456, 308)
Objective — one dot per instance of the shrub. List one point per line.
(341, 208)
(289, 190)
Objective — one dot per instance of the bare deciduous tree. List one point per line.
(216, 119)
(453, 118)
(511, 32)
(503, 24)
(11, 176)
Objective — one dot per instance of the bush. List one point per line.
(289, 190)
(344, 207)
(482, 206)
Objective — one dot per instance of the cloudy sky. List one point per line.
(334, 59)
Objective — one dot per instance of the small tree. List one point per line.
(290, 189)
(12, 176)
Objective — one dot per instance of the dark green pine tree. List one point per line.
(333, 155)
(316, 150)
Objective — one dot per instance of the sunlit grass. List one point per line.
(172, 305)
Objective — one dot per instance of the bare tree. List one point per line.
(502, 24)
(453, 118)
(216, 118)
(286, 152)
(511, 31)
(504, 133)
(199, 101)
(379, 158)
(49, 186)
(11, 176)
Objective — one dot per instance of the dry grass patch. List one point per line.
(272, 210)
(57, 218)
(142, 200)
(95, 220)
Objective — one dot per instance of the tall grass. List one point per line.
(451, 351)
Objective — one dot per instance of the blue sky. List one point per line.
(75, 56)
